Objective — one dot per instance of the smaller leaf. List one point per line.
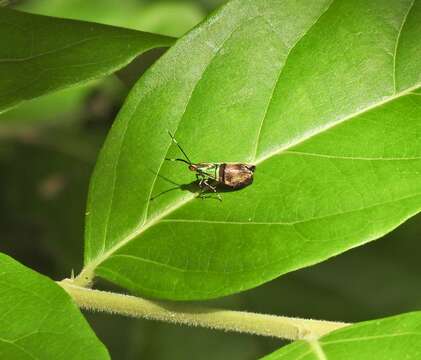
(40, 54)
(392, 338)
(38, 320)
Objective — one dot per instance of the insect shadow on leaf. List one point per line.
(192, 187)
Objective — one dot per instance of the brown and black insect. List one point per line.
(212, 175)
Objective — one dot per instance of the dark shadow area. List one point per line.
(132, 72)
(193, 187)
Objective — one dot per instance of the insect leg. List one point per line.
(213, 188)
(200, 179)
(204, 185)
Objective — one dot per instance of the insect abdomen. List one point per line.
(236, 176)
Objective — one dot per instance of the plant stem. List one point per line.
(187, 314)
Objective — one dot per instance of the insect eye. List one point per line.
(251, 167)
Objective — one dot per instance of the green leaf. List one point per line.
(39, 54)
(392, 338)
(39, 320)
(172, 19)
(320, 96)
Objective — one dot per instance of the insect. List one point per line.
(211, 175)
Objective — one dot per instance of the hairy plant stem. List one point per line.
(188, 314)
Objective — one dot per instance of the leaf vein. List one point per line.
(64, 47)
(351, 157)
(282, 66)
(291, 223)
(308, 135)
(397, 43)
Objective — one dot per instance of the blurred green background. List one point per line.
(48, 149)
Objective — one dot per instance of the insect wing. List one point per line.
(237, 176)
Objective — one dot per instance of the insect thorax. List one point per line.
(210, 170)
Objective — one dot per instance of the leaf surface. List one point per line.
(38, 320)
(40, 54)
(392, 338)
(323, 97)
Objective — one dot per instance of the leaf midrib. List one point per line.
(249, 269)
(81, 42)
(49, 52)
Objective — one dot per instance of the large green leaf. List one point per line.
(39, 54)
(321, 95)
(392, 338)
(38, 320)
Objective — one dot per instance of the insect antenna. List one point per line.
(178, 159)
(187, 161)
